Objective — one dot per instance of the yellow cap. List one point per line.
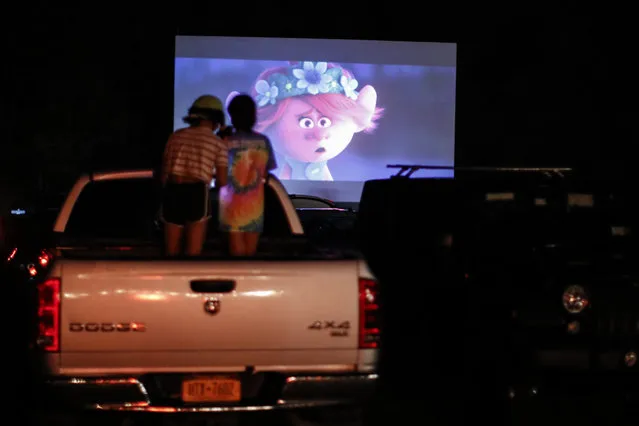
(208, 102)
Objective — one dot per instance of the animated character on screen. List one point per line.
(310, 112)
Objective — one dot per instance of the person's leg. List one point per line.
(197, 212)
(236, 244)
(172, 238)
(251, 240)
(195, 237)
(172, 218)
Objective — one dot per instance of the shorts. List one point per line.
(184, 203)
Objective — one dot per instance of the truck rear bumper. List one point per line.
(145, 395)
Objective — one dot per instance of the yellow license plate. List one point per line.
(213, 389)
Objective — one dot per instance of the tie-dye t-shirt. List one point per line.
(242, 199)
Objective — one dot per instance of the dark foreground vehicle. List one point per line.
(523, 288)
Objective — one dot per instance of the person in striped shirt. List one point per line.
(192, 157)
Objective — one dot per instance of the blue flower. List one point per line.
(349, 85)
(313, 77)
(265, 93)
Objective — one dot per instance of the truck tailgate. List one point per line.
(138, 307)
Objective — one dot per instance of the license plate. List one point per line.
(211, 389)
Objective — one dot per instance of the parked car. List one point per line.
(311, 202)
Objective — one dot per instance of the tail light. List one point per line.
(44, 258)
(34, 265)
(44, 261)
(49, 315)
(12, 254)
(368, 314)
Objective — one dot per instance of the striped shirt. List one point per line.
(194, 152)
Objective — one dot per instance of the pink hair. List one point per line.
(335, 105)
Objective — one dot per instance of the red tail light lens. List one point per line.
(368, 314)
(49, 315)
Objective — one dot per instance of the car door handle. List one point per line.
(212, 286)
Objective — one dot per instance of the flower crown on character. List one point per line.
(305, 78)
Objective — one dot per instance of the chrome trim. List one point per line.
(281, 405)
(330, 209)
(144, 404)
(344, 389)
(334, 379)
(78, 381)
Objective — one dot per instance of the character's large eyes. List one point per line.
(306, 123)
(324, 122)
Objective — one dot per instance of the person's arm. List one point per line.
(272, 163)
(166, 161)
(221, 174)
(225, 132)
(222, 166)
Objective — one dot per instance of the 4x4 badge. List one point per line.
(335, 328)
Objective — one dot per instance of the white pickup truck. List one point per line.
(120, 327)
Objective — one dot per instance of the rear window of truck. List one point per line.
(129, 209)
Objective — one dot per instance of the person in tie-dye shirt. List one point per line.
(250, 160)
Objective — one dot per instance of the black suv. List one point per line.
(520, 288)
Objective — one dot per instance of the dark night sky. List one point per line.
(82, 93)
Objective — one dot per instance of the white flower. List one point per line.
(265, 93)
(349, 85)
(313, 77)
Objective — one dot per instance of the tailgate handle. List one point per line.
(212, 286)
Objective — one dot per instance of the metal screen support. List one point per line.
(407, 170)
